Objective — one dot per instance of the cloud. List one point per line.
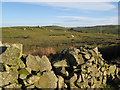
(73, 4)
(83, 18)
(89, 20)
(72, 20)
(60, 0)
(102, 6)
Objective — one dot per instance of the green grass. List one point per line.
(111, 29)
(34, 40)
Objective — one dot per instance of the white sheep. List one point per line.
(72, 36)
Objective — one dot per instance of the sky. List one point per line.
(67, 14)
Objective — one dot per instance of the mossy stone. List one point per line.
(9, 77)
(47, 80)
(23, 71)
(11, 55)
(36, 63)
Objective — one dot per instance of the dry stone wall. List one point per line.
(81, 67)
(84, 68)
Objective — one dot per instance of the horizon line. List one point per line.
(56, 25)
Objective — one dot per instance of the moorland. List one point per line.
(46, 40)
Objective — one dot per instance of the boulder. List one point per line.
(47, 80)
(33, 62)
(11, 55)
(45, 63)
(36, 63)
(9, 77)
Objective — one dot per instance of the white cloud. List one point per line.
(89, 20)
(60, 0)
(82, 5)
(70, 4)
(86, 18)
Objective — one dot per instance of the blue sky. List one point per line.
(68, 14)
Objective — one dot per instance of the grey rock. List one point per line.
(33, 62)
(64, 72)
(87, 56)
(45, 61)
(60, 82)
(80, 59)
(23, 76)
(103, 69)
(61, 63)
(36, 63)
(11, 55)
(112, 69)
(73, 79)
(23, 71)
(13, 85)
(95, 50)
(33, 79)
(79, 79)
(47, 80)
(9, 77)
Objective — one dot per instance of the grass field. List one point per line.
(39, 41)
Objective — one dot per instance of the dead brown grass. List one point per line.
(43, 51)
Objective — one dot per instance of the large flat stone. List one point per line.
(36, 63)
(8, 77)
(47, 80)
(61, 63)
(11, 55)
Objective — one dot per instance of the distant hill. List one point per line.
(109, 29)
(56, 27)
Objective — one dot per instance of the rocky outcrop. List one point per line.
(81, 67)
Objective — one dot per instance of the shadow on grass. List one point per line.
(111, 52)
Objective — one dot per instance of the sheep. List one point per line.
(72, 36)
